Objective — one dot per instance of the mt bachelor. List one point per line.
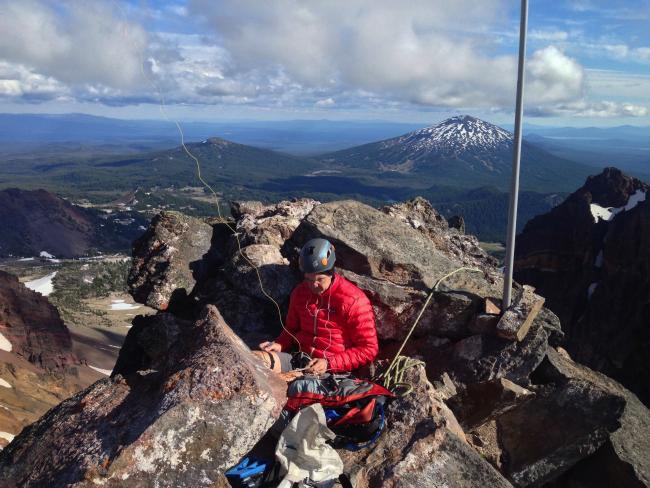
(464, 151)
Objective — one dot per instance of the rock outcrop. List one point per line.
(623, 459)
(38, 367)
(32, 326)
(424, 446)
(166, 261)
(590, 258)
(187, 399)
(182, 424)
(448, 237)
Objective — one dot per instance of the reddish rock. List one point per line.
(33, 326)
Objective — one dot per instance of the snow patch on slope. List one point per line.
(122, 305)
(7, 436)
(43, 285)
(608, 213)
(106, 372)
(5, 345)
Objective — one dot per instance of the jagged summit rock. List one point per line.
(589, 257)
(187, 400)
(182, 424)
(612, 188)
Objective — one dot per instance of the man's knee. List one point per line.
(270, 360)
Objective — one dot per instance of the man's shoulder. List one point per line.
(348, 289)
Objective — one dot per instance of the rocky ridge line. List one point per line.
(485, 411)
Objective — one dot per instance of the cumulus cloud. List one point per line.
(19, 81)
(553, 77)
(73, 41)
(413, 54)
(328, 54)
(430, 53)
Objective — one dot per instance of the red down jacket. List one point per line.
(338, 324)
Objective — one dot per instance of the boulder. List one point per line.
(448, 238)
(517, 319)
(371, 243)
(480, 402)
(396, 307)
(168, 259)
(182, 424)
(555, 429)
(623, 459)
(269, 224)
(262, 262)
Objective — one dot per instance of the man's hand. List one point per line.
(270, 346)
(317, 366)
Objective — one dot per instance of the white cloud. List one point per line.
(326, 102)
(588, 109)
(74, 41)
(553, 77)
(382, 47)
(313, 55)
(19, 81)
(430, 53)
(548, 35)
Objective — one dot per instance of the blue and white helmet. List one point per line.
(317, 256)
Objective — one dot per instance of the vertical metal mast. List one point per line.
(514, 190)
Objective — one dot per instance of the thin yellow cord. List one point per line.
(393, 370)
(163, 111)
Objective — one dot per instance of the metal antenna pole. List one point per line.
(514, 191)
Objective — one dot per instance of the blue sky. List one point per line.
(588, 61)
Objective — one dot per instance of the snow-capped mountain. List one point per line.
(454, 135)
(464, 151)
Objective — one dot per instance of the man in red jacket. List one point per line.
(330, 319)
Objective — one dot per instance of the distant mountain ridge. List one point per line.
(20, 132)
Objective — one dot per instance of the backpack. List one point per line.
(354, 408)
